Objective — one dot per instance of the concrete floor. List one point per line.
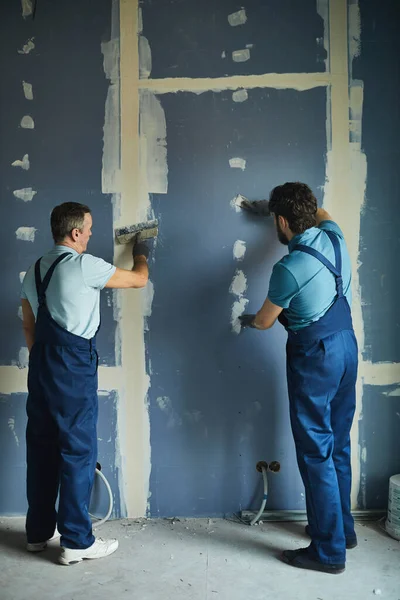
(205, 559)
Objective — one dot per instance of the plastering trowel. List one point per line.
(139, 232)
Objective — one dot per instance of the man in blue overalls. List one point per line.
(310, 294)
(61, 317)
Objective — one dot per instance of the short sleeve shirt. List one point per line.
(301, 284)
(73, 294)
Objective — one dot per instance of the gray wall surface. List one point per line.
(65, 152)
(378, 67)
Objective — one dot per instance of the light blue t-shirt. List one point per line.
(301, 284)
(73, 294)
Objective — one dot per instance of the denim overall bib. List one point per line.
(61, 436)
(322, 361)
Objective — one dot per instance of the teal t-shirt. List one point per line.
(301, 284)
(73, 295)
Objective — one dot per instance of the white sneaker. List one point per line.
(40, 546)
(99, 549)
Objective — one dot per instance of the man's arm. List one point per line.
(322, 215)
(264, 319)
(267, 315)
(28, 323)
(137, 278)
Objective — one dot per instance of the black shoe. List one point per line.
(303, 560)
(351, 542)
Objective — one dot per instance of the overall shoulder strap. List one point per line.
(336, 246)
(41, 286)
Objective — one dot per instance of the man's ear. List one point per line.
(283, 223)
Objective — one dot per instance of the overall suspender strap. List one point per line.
(41, 286)
(337, 271)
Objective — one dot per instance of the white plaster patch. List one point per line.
(140, 20)
(11, 426)
(238, 288)
(240, 96)
(223, 55)
(24, 163)
(145, 62)
(26, 234)
(25, 194)
(27, 47)
(147, 301)
(20, 315)
(27, 122)
(28, 90)
(356, 110)
(239, 249)
(237, 18)
(240, 56)
(153, 133)
(111, 172)
(364, 455)
(23, 357)
(27, 8)
(237, 163)
(236, 202)
(354, 29)
(21, 276)
(239, 284)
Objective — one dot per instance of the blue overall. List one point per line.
(322, 362)
(61, 433)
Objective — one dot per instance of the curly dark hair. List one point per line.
(296, 202)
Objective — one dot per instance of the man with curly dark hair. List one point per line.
(310, 294)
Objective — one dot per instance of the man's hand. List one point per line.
(141, 249)
(256, 207)
(247, 321)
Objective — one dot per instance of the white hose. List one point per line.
(265, 497)
(101, 522)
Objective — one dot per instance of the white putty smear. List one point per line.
(145, 61)
(238, 288)
(240, 56)
(236, 202)
(27, 8)
(239, 284)
(26, 234)
(27, 122)
(25, 194)
(238, 309)
(237, 18)
(237, 163)
(24, 163)
(164, 403)
(23, 357)
(28, 90)
(27, 47)
(239, 249)
(240, 96)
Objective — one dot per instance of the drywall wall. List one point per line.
(377, 66)
(198, 105)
